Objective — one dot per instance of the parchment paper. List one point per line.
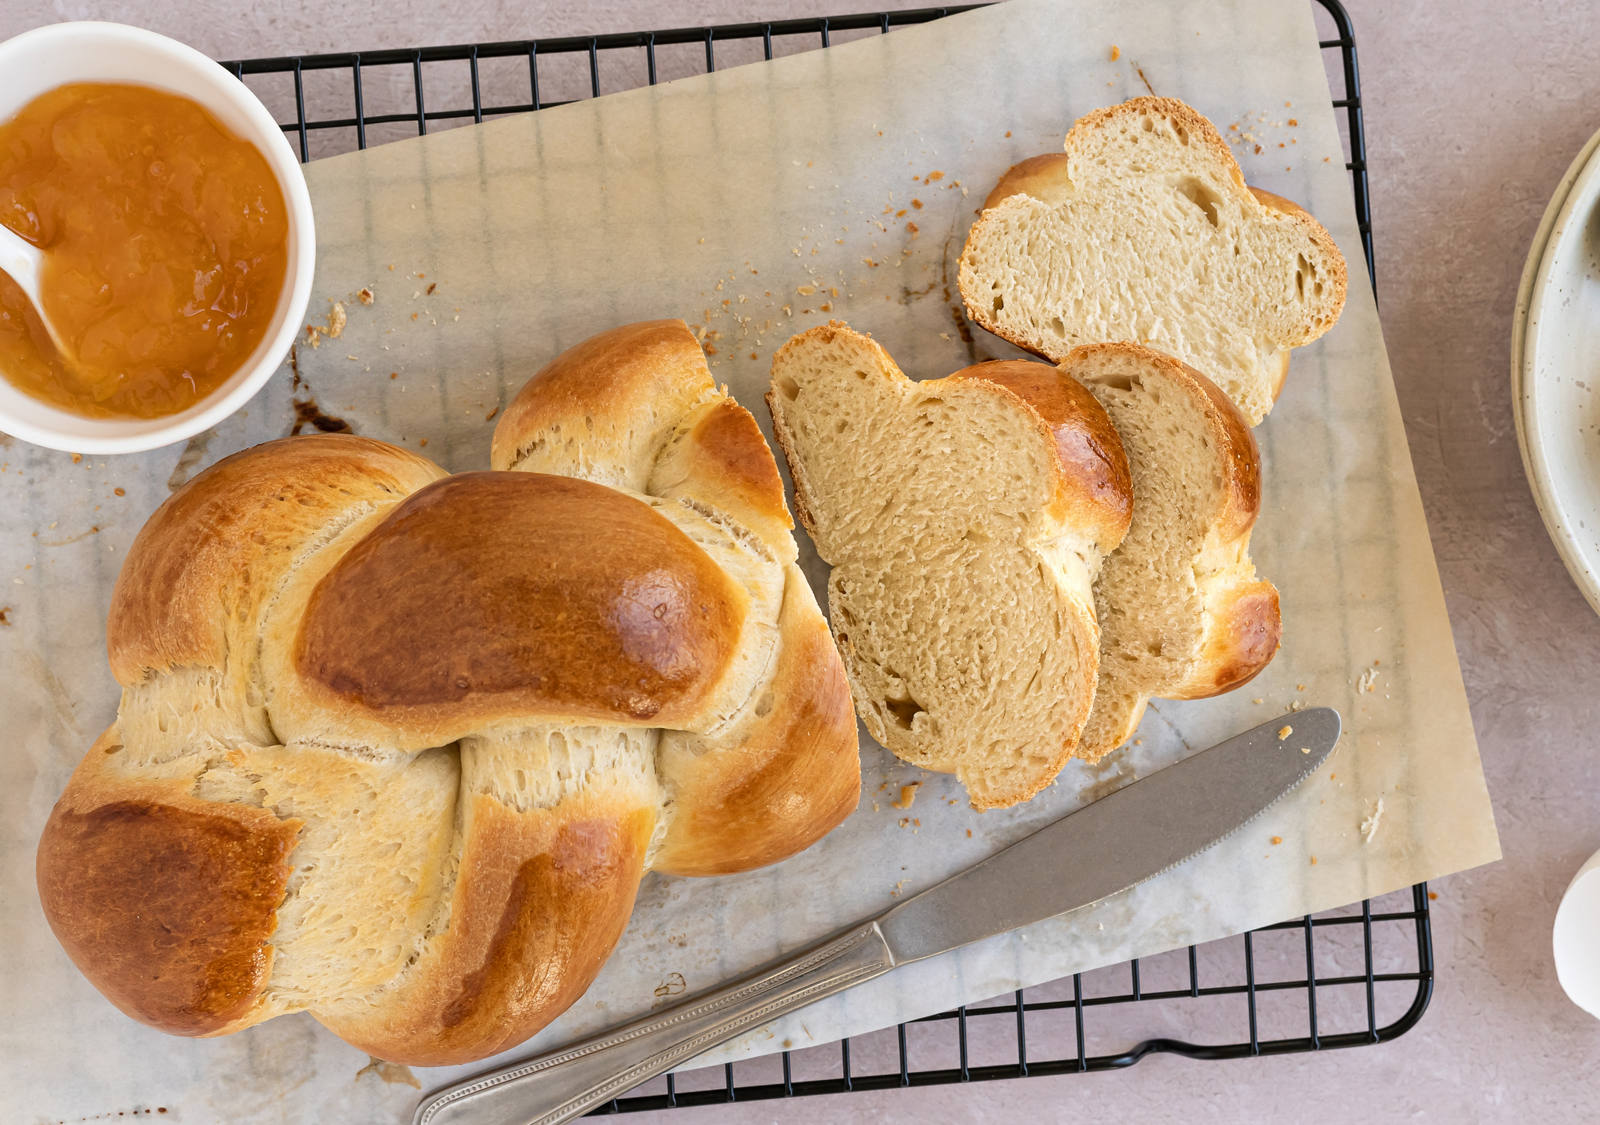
(754, 203)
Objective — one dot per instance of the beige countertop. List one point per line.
(1472, 112)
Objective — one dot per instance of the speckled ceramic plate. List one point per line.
(1555, 369)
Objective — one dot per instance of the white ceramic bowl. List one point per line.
(1555, 369)
(53, 56)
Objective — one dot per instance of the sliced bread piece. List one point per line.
(965, 519)
(1143, 230)
(1182, 614)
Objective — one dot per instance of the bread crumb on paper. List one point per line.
(1116, 53)
(1284, 732)
(1369, 826)
(1277, 840)
(908, 796)
(365, 295)
(1368, 681)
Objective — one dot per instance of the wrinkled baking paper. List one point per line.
(754, 203)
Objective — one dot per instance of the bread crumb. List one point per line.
(489, 417)
(423, 442)
(394, 374)
(908, 794)
(1284, 732)
(1008, 133)
(1305, 749)
(916, 204)
(805, 290)
(1433, 896)
(935, 177)
(119, 491)
(905, 820)
(969, 833)
(1299, 687)
(1116, 53)
(1369, 826)
(1313, 861)
(364, 295)
(1368, 681)
(1277, 839)
(1257, 700)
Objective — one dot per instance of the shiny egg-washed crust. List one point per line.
(550, 685)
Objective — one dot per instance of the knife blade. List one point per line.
(1118, 842)
(1110, 846)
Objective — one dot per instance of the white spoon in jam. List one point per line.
(23, 262)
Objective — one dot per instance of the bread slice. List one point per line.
(1181, 611)
(1143, 230)
(965, 519)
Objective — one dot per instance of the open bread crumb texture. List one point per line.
(1144, 231)
(1161, 597)
(961, 606)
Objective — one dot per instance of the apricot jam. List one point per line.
(166, 240)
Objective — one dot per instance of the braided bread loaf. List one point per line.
(396, 747)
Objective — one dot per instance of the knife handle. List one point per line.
(559, 1086)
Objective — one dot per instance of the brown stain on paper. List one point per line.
(396, 1074)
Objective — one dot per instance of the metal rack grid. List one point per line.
(1366, 970)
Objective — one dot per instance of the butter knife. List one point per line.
(1112, 845)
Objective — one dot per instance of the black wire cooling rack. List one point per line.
(1345, 978)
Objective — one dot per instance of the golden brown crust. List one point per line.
(533, 595)
(542, 898)
(1087, 444)
(249, 514)
(793, 775)
(1044, 177)
(618, 395)
(721, 460)
(1241, 639)
(166, 903)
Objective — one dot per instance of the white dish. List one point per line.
(1577, 921)
(1555, 369)
(41, 60)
